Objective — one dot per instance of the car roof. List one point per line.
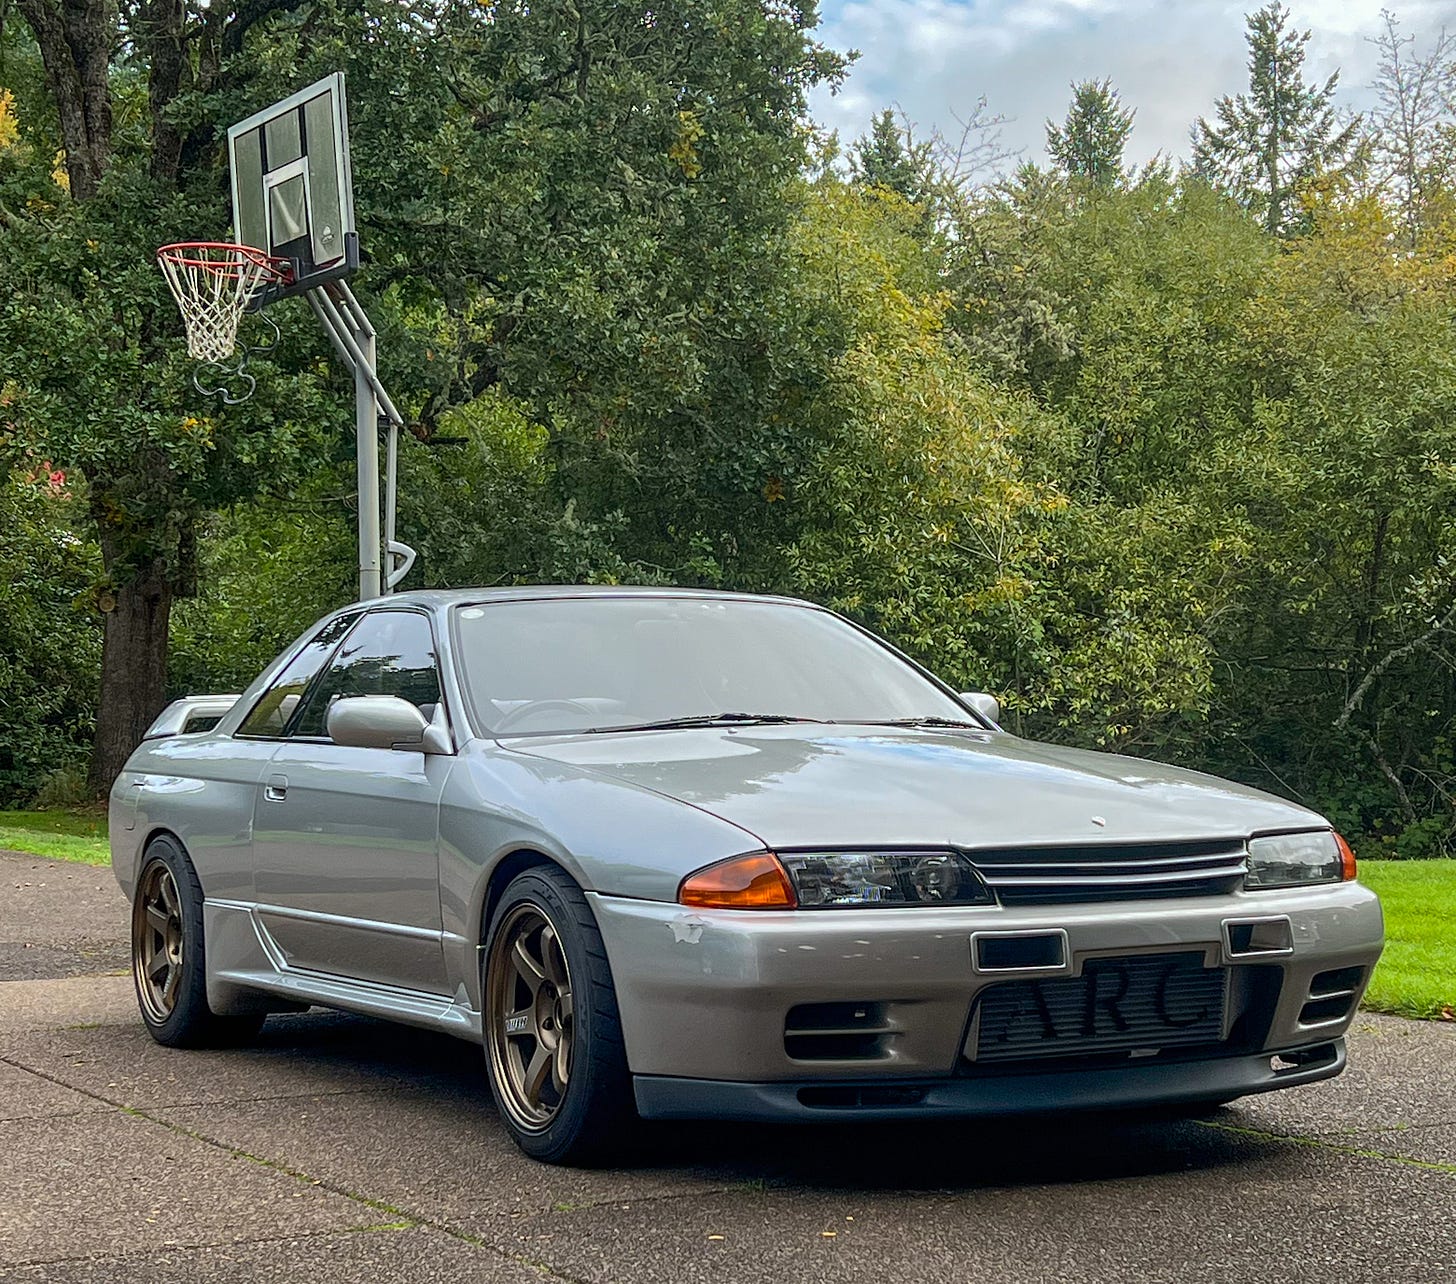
(439, 599)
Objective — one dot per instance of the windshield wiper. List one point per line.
(929, 720)
(702, 720)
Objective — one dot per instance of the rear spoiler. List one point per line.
(190, 713)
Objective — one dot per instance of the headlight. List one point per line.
(843, 880)
(1290, 860)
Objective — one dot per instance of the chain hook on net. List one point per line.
(232, 383)
(213, 283)
(251, 350)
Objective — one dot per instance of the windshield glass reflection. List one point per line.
(558, 666)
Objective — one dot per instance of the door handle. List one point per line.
(276, 790)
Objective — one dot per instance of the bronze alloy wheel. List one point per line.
(530, 1017)
(157, 942)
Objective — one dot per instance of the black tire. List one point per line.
(592, 1119)
(169, 960)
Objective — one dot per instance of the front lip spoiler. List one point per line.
(1117, 1088)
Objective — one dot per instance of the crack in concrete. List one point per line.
(198, 1246)
(662, 1197)
(1383, 1128)
(236, 1152)
(47, 1116)
(190, 1105)
(1324, 1143)
(176, 1105)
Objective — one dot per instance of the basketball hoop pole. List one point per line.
(366, 454)
(353, 337)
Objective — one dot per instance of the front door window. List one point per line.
(389, 653)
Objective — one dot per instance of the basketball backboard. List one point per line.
(292, 189)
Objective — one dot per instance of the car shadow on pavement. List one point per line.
(905, 1156)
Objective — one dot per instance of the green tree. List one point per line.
(1345, 647)
(1006, 307)
(49, 639)
(106, 159)
(1255, 459)
(576, 205)
(1089, 143)
(890, 158)
(1266, 145)
(583, 214)
(266, 571)
(942, 510)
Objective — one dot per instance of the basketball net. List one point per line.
(213, 283)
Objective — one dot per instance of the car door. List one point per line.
(345, 839)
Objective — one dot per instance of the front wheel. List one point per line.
(553, 1035)
(168, 960)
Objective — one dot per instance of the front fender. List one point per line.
(611, 837)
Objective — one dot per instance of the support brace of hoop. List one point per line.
(353, 336)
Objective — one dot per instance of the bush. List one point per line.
(50, 638)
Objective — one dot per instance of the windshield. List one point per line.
(587, 664)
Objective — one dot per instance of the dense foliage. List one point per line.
(49, 642)
(1166, 461)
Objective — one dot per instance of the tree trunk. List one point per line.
(75, 39)
(165, 19)
(133, 672)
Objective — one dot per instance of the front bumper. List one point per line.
(1218, 1079)
(705, 996)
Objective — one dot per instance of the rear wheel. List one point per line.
(553, 1035)
(168, 958)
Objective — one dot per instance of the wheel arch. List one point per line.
(505, 869)
(153, 833)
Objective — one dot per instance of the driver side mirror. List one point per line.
(986, 705)
(383, 722)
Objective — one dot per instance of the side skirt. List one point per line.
(244, 962)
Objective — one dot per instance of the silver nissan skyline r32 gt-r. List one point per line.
(676, 854)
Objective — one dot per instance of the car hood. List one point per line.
(803, 786)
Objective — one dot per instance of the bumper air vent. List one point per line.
(837, 1032)
(1019, 951)
(1332, 995)
(1256, 937)
(1112, 871)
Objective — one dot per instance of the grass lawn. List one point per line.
(1416, 976)
(1417, 973)
(61, 835)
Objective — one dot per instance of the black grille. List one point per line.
(1146, 1002)
(1112, 871)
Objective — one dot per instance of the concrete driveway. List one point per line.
(342, 1149)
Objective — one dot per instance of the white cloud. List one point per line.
(1170, 61)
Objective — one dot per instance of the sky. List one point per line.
(1170, 61)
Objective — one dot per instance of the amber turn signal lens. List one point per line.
(1347, 859)
(745, 882)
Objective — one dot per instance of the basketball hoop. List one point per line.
(213, 283)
